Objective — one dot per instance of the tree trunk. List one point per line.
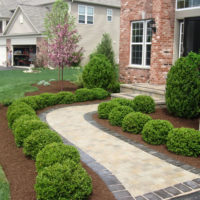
(62, 78)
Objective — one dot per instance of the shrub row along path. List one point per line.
(141, 173)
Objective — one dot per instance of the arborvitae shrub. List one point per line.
(56, 153)
(124, 102)
(144, 104)
(183, 87)
(63, 181)
(134, 122)
(117, 115)
(65, 98)
(184, 141)
(99, 93)
(105, 108)
(24, 129)
(98, 73)
(156, 131)
(84, 94)
(38, 140)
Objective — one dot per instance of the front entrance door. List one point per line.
(191, 35)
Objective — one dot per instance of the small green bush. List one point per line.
(18, 109)
(65, 98)
(24, 129)
(84, 94)
(124, 102)
(134, 122)
(183, 87)
(22, 119)
(144, 104)
(117, 115)
(98, 73)
(38, 140)
(114, 87)
(63, 181)
(105, 108)
(31, 101)
(56, 153)
(48, 99)
(156, 131)
(184, 141)
(100, 93)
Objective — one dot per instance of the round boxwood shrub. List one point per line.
(56, 153)
(31, 101)
(156, 131)
(144, 104)
(124, 102)
(65, 98)
(38, 140)
(134, 122)
(184, 141)
(18, 110)
(47, 99)
(63, 181)
(183, 87)
(84, 94)
(99, 93)
(23, 118)
(117, 115)
(98, 73)
(24, 129)
(105, 108)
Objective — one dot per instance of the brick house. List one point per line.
(153, 35)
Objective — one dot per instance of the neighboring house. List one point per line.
(153, 35)
(24, 32)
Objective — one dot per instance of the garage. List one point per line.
(3, 52)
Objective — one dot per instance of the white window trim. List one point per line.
(86, 13)
(108, 15)
(144, 44)
(180, 38)
(188, 8)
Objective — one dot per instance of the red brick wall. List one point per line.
(163, 12)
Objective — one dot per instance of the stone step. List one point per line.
(155, 91)
(131, 96)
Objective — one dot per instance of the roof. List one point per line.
(37, 20)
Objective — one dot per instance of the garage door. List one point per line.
(2, 55)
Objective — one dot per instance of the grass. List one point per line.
(4, 186)
(13, 84)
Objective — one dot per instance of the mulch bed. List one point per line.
(20, 171)
(161, 113)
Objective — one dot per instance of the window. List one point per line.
(141, 33)
(181, 38)
(1, 26)
(109, 15)
(85, 14)
(187, 3)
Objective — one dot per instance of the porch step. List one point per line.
(131, 96)
(155, 91)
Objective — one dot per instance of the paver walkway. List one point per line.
(138, 171)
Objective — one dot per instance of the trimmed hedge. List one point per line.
(105, 108)
(63, 181)
(47, 99)
(117, 115)
(84, 94)
(65, 98)
(22, 119)
(124, 102)
(38, 140)
(23, 130)
(183, 87)
(156, 131)
(99, 93)
(184, 141)
(144, 104)
(56, 153)
(134, 122)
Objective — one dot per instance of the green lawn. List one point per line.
(13, 84)
(4, 186)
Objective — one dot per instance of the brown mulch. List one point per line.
(20, 171)
(161, 113)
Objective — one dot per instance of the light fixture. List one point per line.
(153, 25)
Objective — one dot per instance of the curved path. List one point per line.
(143, 175)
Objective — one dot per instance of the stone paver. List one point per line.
(138, 171)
